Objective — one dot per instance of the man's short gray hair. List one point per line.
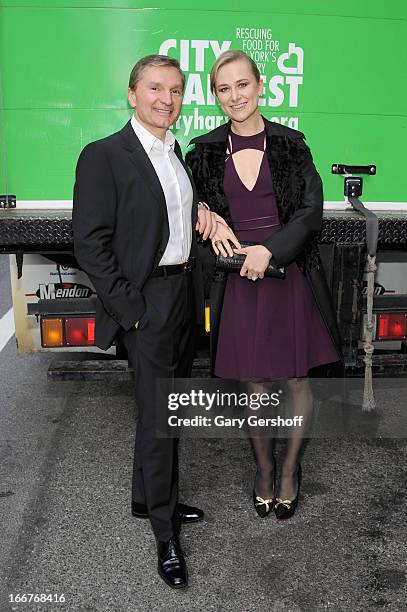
(153, 60)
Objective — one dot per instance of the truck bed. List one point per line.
(51, 230)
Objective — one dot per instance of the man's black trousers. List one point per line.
(162, 348)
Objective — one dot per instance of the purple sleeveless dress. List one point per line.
(269, 328)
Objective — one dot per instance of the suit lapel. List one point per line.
(178, 153)
(142, 164)
(145, 170)
(194, 212)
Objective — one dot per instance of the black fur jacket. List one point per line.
(297, 188)
(299, 196)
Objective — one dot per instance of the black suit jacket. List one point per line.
(120, 228)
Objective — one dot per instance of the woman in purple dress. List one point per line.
(260, 178)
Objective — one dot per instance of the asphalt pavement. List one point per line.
(66, 528)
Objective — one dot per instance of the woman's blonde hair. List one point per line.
(230, 56)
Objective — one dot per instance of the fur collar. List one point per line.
(286, 153)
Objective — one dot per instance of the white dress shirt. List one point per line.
(177, 190)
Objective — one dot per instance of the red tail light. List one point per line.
(80, 331)
(67, 331)
(91, 331)
(391, 326)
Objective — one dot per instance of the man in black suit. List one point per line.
(134, 220)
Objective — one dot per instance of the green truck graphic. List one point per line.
(334, 72)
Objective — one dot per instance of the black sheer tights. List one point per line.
(263, 449)
(298, 402)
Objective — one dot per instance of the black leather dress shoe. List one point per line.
(187, 514)
(171, 563)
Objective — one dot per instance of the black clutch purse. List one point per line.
(234, 264)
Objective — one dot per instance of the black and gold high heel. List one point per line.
(285, 508)
(262, 506)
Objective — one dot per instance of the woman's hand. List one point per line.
(224, 239)
(256, 262)
(220, 219)
(207, 222)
